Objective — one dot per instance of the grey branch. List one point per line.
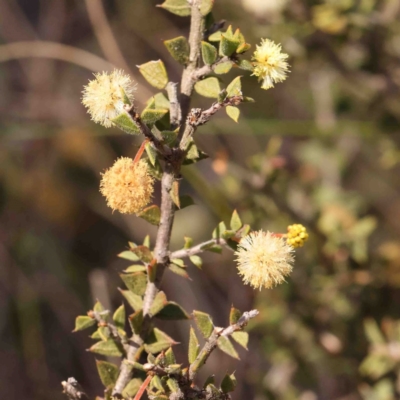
(195, 37)
(73, 389)
(212, 341)
(171, 171)
(200, 248)
(199, 117)
(175, 107)
(161, 253)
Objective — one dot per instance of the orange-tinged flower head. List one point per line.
(127, 186)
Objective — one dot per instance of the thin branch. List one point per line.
(212, 341)
(200, 248)
(195, 36)
(161, 253)
(161, 249)
(199, 117)
(52, 50)
(175, 107)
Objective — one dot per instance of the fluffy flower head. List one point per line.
(264, 260)
(106, 95)
(128, 187)
(270, 65)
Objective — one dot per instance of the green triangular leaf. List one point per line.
(188, 242)
(194, 346)
(161, 102)
(170, 357)
(158, 341)
(155, 73)
(179, 49)
(128, 255)
(169, 137)
(108, 348)
(228, 384)
(150, 116)
(227, 46)
(209, 380)
(176, 269)
(209, 53)
(83, 322)
(172, 311)
(132, 388)
(135, 282)
(243, 47)
(236, 222)
(234, 315)
(223, 68)
(219, 230)
(234, 88)
(136, 321)
(151, 153)
(215, 37)
(206, 6)
(125, 123)
(133, 299)
(233, 112)
(241, 338)
(135, 268)
(173, 385)
(143, 253)
(174, 193)
(177, 7)
(151, 214)
(245, 65)
(204, 323)
(226, 346)
(108, 373)
(159, 303)
(119, 317)
(98, 307)
(197, 261)
(208, 87)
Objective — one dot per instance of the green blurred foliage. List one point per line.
(321, 149)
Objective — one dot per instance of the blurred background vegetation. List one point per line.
(321, 149)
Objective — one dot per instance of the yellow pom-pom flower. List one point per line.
(127, 186)
(270, 65)
(106, 96)
(264, 260)
(297, 235)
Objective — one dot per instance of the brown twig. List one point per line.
(212, 341)
(142, 388)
